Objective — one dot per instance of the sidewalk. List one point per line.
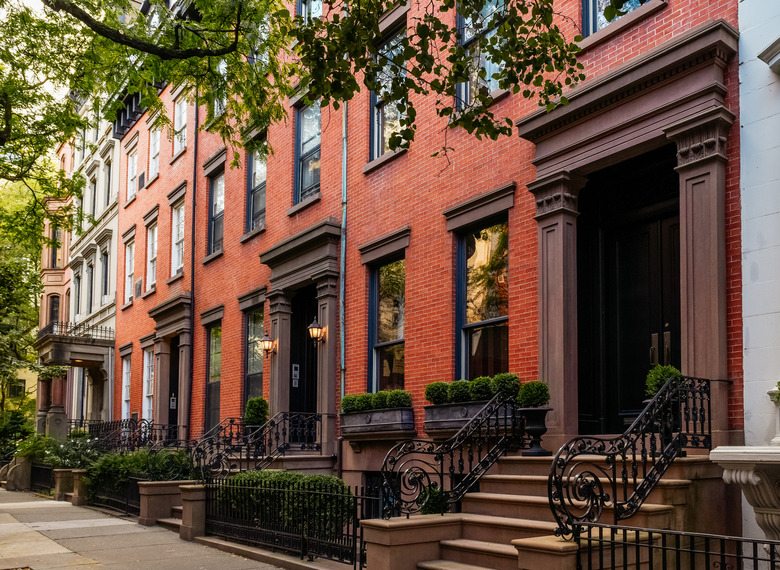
(39, 533)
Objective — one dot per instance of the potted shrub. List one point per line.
(256, 412)
(371, 414)
(455, 403)
(658, 376)
(532, 398)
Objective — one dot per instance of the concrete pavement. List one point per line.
(39, 533)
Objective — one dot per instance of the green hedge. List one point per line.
(112, 471)
(376, 401)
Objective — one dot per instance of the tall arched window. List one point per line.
(54, 308)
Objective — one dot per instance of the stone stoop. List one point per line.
(510, 512)
(174, 521)
(305, 462)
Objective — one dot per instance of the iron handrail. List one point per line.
(236, 446)
(422, 475)
(591, 474)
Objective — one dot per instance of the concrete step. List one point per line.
(538, 508)
(170, 524)
(448, 565)
(176, 512)
(667, 492)
(502, 529)
(479, 553)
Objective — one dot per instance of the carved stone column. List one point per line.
(56, 419)
(185, 384)
(279, 382)
(327, 316)
(162, 380)
(701, 164)
(556, 215)
(43, 402)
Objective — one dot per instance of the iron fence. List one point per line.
(604, 547)
(306, 519)
(41, 478)
(123, 497)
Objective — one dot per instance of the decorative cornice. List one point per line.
(279, 303)
(702, 136)
(386, 245)
(557, 193)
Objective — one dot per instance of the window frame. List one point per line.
(93, 196)
(132, 173)
(107, 178)
(77, 295)
(215, 243)
(147, 411)
(254, 190)
(178, 214)
(210, 381)
(179, 125)
(129, 270)
(56, 260)
(462, 327)
(378, 117)
(374, 346)
(151, 256)
(463, 90)
(301, 158)
(303, 9)
(126, 385)
(251, 378)
(90, 287)
(54, 308)
(154, 153)
(220, 103)
(590, 16)
(105, 277)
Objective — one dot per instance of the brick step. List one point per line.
(692, 467)
(176, 512)
(479, 553)
(667, 491)
(448, 565)
(502, 529)
(538, 508)
(170, 523)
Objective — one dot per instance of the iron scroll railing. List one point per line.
(423, 476)
(81, 330)
(590, 474)
(233, 446)
(129, 434)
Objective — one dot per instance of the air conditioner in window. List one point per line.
(138, 288)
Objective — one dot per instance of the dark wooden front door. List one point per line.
(629, 287)
(303, 352)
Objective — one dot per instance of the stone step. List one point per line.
(176, 512)
(538, 508)
(69, 497)
(502, 529)
(448, 565)
(667, 492)
(170, 523)
(479, 553)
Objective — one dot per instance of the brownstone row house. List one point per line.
(612, 226)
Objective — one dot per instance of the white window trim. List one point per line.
(177, 239)
(180, 125)
(151, 256)
(132, 174)
(129, 273)
(154, 153)
(148, 409)
(126, 371)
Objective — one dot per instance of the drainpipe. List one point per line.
(192, 264)
(342, 262)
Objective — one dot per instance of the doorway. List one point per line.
(173, 387)
(628, 279)
(303, 351)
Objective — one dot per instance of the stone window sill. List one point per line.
(131, 200)
(126, 305)
(310, 201)
(250, 234)
(150, 291)
(621, 25)
(177, 155)
(380, 161)
(211, 257)
(176, 277)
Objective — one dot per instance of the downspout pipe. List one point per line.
(343, 268)
(192, 263)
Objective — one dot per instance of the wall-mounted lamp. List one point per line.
(267, 344)
(316, 331)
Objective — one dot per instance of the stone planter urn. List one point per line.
(444, 420)
(774, 394)
(536, 427)
(378, 424)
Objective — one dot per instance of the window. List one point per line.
(180, 125)
(217, 211)
(309, 9)
(220, 102)
(56, 248)
(154, 153)
(215, 375)
(307, 150)
(83, 145)
(593, 14)
(483, 301)
(254, 355)
(255, 207)
(93, 197)
(77, 295)
(107, 174)
(129, 262)
(16, 388)
(90, 286)
(104, 272)
(177, 239)
(471, 30)
(132, 165)
(385, 115)
(148, 410)
(151, 256)
(387, 300)
(126, 388)
(54, 308)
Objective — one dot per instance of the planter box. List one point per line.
(390, 423)
(445, 420)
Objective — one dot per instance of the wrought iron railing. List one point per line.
(81, 330)
(129, 434)
(124, 497)
(234, 446)
(591, 474)
(41, 477)
(308, 519)
(423, 476)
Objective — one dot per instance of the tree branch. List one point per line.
(120, 38)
